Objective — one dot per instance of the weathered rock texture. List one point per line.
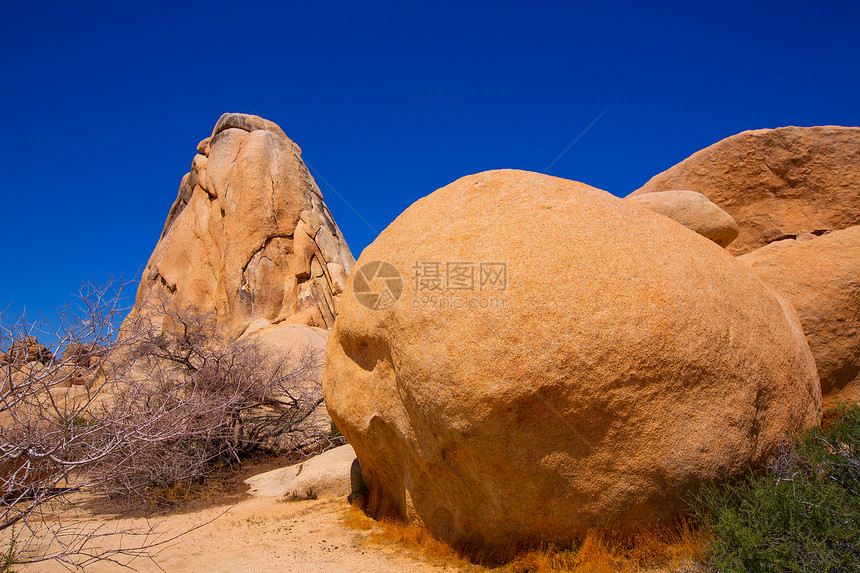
(694, 211)
(30, 364)
(821, 278)
(776, 183)
(627, 361)
(249, 236)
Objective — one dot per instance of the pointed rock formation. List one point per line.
(776, 183)
(249, 236)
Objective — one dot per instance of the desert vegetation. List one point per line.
(678, 547)
(801, 514)
(137, 411)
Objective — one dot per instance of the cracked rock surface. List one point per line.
(249, 236)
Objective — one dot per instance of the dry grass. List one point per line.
(411, 536)
(666, 548)
(594, 556)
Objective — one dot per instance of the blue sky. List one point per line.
(103, 104)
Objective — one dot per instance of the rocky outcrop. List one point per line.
(694, 211)
(250, 243)
(821, 278)
(776, 183)
(249, 237)
(28, 349)
(530, 383)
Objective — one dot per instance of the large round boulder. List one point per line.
(821, 278)
(520, 357)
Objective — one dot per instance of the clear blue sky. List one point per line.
(103, 104)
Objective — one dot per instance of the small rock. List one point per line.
(325, 475)
(694, 211)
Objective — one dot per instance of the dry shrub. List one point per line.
(196, 398)
(138, 412)
(594, 555)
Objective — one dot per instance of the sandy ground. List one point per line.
(230, 526)
(260, 535)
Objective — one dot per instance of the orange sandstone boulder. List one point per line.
(288, 336)
(323, 475)
(543, 357)
(821, 278)
(776, 183)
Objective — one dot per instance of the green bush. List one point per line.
(802, 514)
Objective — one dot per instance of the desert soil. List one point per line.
(264, 535)
(240, 533)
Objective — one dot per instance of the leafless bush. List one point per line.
(47, 448)
(133, 414)
(196, 396)
(42, 407)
